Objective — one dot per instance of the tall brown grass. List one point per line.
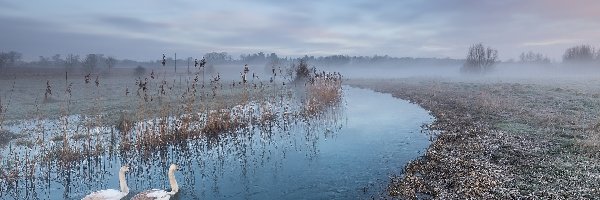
(322, 91)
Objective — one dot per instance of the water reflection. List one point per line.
(347, 152)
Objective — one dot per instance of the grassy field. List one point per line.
(503, 139)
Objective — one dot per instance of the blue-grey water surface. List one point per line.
(349, 154)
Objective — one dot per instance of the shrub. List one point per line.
(302, 71)
(139, 71)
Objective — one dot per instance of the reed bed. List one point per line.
(323, 90)
(82, 122)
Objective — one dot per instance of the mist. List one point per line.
(352, 67)
(360, 99)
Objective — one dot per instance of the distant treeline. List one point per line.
(100, 61)
(477, 55)
(341, 60)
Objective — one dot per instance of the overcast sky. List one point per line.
(145, 29)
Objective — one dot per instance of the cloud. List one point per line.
(551, 42)
(4, 5)
(434, 48)
(357, 27)
(37, 38)
(132, 23)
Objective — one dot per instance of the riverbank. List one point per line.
(499, 139)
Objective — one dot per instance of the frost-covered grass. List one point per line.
(503, 139)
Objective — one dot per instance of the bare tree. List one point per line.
(3, 60)
(579, 54)
(71, 61)
(217, 58)
(533, 58)
(56, 60)
(90, 62)
(480, 59)
(272, 63)
(10, 58)
(110, 62)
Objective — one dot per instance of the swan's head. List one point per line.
(173, 167)
(125, 168)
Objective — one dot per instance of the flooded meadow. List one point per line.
(232, 139)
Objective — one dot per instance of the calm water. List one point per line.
(348, 154)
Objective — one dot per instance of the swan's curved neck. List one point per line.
(173, 182)
(122, 182)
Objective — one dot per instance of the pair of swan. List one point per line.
(156, 194)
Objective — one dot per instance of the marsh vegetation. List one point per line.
(58, 129)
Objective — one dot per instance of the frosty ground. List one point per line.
(502, 138)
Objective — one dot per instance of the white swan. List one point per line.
(157, 194)
(112, 194)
